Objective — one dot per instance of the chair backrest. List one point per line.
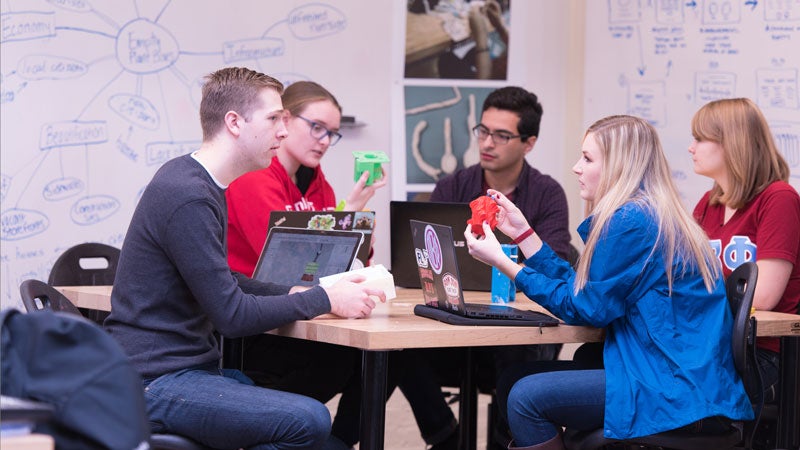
(40, 296)
(740, 287)
(68, 269)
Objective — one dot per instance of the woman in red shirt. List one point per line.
(294, 180)
(751, 212)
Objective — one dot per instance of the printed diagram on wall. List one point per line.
(96, 95)
(439, 123)
(663, 60)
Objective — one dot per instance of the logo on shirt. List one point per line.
(302, 205)
(736, 252)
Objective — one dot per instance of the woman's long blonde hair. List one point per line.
(752, 160)
(636, 170)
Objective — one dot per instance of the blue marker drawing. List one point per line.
(647, 99)
(62, 188)
(27, 25)
(777, 88)
(17, 224)
(93, 209)
(787, 139)
(710, 86)
(777, 11)
(717, 12)
(624, 11)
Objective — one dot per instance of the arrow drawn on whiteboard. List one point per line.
(669, 67)
(752, 4)
(692, 4)
(641, 67)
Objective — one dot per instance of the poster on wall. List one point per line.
(438, 126)
(457, 39)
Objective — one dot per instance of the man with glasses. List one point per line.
(507, 132)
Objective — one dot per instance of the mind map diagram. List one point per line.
(96, 95)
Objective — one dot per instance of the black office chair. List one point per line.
(86, 264)
(740, 287)
(40, 296)
(69, 270)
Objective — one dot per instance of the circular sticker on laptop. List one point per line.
(434, 249)
(451, 288)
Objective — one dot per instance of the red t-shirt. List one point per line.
(251, 198)
(768, 227)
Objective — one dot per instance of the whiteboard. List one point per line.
(96, 94)
(663, 59)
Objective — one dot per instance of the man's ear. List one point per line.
(529, 143)
(233, 122)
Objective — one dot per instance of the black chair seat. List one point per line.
(159, 441)
(675, 439)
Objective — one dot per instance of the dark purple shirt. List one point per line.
(540, 197)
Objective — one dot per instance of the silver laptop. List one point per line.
(362, 221)
(301, 256)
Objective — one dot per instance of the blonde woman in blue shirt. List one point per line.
(667, 350)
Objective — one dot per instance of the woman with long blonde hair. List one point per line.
(649, 277)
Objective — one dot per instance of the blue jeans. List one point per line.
(539, 405)
(222, 409)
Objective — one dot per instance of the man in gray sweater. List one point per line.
(174, 289)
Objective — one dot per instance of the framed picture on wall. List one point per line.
(438, 127)
(457, 39)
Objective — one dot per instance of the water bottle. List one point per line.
(503, 288)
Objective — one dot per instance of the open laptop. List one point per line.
(300, 256)
(476, 275)
(362, 221)
(439, 277)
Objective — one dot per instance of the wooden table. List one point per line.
(33, 441)
(425, 37)
(393, 326)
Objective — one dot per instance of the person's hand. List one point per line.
(478, 27)
(485, 249)
(352, 300)
(361, 193)
(510, 219)
(495, 14)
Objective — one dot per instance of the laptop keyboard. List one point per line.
(503, 312)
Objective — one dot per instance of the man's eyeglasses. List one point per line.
(319, 132)
(498, 137)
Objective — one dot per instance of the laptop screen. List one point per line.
(437, 267)
(299, 257)
(363, 221)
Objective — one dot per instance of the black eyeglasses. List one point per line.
(498, 137)
(317, 131)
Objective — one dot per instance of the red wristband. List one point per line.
(522, 236)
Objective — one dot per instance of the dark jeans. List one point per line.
(322, 371)
(424, 372)
(221, 408)
(314, 369)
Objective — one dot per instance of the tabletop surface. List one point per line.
(393, 325)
